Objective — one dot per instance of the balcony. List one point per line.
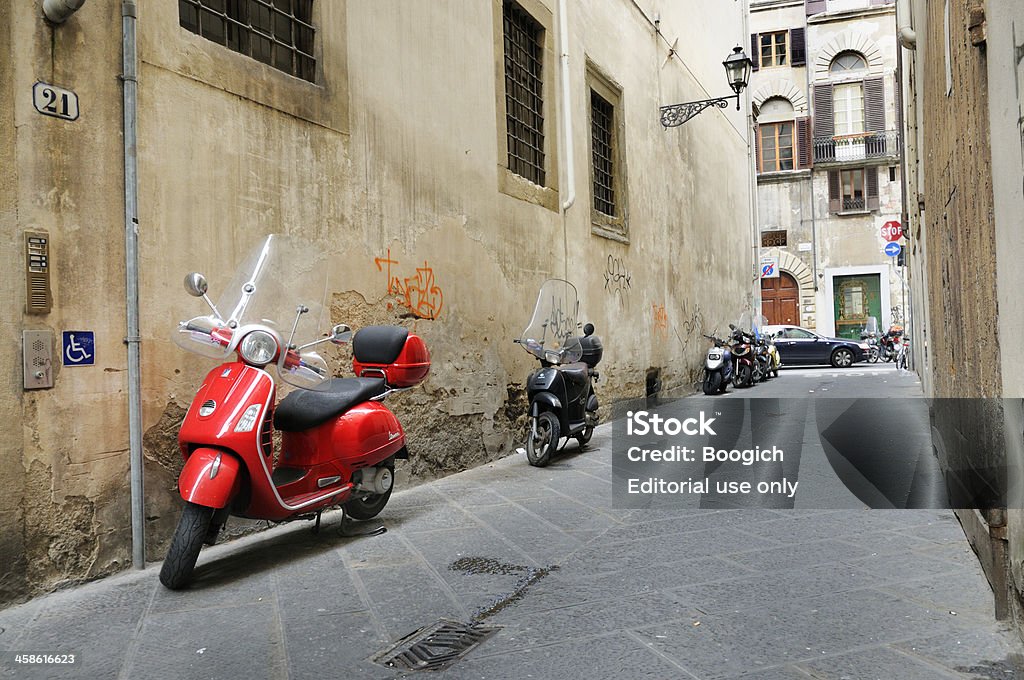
(857, 148)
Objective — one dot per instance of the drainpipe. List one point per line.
(58, 11)
(570, 161)
(904, 25)
(131, 243)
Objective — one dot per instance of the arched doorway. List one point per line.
(780, 300)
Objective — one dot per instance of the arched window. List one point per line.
(845, 62)
(775, 135)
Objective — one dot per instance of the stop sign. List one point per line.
(892, 231)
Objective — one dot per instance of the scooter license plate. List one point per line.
(714, 357)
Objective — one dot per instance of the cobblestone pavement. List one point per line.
(766, 594)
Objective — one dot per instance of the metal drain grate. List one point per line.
(433, 647)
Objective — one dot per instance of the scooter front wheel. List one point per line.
(193, 526)
(712, 382)
(541, 445)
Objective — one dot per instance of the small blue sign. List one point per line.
(79, 348)
(892, 249)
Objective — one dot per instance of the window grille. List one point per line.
(524, 102)
(277, 32)
(773, 239)
(602, 118)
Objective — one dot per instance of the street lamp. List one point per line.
(737, 70)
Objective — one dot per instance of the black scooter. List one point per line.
(561, 393)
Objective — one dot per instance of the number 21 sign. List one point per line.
(51, 100)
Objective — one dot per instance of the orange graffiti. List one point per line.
(419, 294)
(660, 320)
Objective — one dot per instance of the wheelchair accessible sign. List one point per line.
(79, 348)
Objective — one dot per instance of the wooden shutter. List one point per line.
(757, 147)
(805, 143)
(871, 187)
(824, 123)
(874, 105)
(797, 47)
(835, 197)
(815, 6)
(755, 52)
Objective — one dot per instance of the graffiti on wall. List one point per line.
(660, 321)
(693, 320)
(420, 293)
(617, 278)
(897, 314)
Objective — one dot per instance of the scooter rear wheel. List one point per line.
(584, 437)
(193, 526)
(370, 506)
(539, 447)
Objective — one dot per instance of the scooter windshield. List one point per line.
(551, 335)
(280, 288)
(871, 326)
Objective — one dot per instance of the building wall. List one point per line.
(832, 245)
(1004, 33)
(965, 84)
(392, 159)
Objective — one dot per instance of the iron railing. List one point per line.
(859, 147)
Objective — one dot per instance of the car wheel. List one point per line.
(842, 358)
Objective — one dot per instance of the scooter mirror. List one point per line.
(341, 334)
(588, 330)
(195, 284)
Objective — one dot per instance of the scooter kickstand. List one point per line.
(316, 527)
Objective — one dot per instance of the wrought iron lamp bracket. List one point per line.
(677, 114)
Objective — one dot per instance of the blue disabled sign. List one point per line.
(79, 348)
(892, 249)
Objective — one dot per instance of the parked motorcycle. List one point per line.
(562, 399)
(869, 334)
(339, 443)
(718, 366)
(743, 353)
(889, 343)
(768, 362)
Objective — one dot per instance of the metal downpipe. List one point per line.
(131, 243)
(58, 11)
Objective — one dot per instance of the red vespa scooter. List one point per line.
(339, 443)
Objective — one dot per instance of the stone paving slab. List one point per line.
(675, 592)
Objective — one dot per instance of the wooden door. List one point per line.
(780, 300)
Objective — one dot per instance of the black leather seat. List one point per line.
(305, 409)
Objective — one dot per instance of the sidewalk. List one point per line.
(772, 595)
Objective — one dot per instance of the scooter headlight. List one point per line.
(864, 346)
(258, 348)
(552, 356)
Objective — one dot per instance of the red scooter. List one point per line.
(338, 442)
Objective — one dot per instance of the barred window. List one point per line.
(602, 119)
(773, 239)
(277, 32)
(524, 103)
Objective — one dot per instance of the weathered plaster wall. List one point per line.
(389, 163)
(1004, 26)
(68, 458)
